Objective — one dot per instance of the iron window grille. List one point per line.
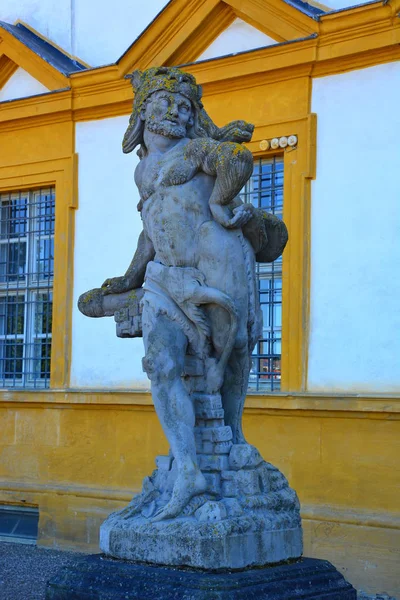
(265, 190)
(26, 287)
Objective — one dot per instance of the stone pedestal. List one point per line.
(101, 578)
(248, 516)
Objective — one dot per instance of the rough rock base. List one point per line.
(101, 578)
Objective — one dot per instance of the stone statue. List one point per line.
(191, 292)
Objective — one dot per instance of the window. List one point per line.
(19, 524)
(265, 190)
(26, 279)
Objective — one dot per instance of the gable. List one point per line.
(22, 47)
(21, 85)
(237, 37)
(186, 30)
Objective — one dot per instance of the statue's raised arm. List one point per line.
(114, 293)
(134, 276)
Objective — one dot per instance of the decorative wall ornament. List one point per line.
(281, 142)
(265, 145)
(275, 143)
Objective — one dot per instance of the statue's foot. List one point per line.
(137, 504)
(187, 485)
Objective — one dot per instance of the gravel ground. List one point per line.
(25, 569)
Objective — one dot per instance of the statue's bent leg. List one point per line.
(164, 362)
(234, 388)
(234, 391)
(230, 274)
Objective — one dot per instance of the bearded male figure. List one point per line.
(196, 261)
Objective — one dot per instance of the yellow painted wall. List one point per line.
(36, 144)
(80, 456)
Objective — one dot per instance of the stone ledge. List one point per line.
(302, 402)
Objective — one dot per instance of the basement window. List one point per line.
(19, 524)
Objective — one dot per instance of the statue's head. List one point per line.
(167, 113)
(168, 102)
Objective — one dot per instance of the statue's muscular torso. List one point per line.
(175, 197)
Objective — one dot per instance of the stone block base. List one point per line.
(234, 543)
(101, 578)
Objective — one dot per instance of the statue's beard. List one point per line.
(166, 128)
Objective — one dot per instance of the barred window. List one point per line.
(265, 190)
(26, 280)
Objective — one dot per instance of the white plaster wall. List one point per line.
(96, 31)
(338, 4)
(355, 231)
(107, 229)
(51, 18)
(238, 37)
(21, 85)
(104, 30)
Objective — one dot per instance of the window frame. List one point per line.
(260, 380)
(32, 285)
(299, 171)
(61, 174)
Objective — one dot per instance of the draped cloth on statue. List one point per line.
(180, 293)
